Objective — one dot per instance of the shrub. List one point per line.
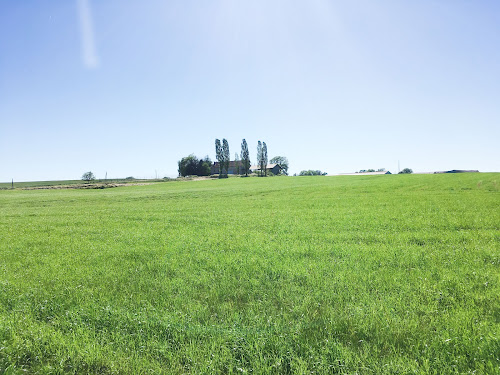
(406, 171)
(312, 173)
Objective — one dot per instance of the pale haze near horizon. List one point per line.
(128, 88)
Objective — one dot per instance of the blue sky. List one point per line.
(129, 87)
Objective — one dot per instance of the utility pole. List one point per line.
(12, 183)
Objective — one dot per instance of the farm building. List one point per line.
(365, 173)
(236, 167)
(273, 168)
(459, 171)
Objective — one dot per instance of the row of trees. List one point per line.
(312, 172)
(371, 170)
(191, 165)
(223, 157)
(404, 171)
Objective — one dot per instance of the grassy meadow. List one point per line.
(388, 274)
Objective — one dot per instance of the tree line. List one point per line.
(223, 157)
(191, 165)
(312, 172)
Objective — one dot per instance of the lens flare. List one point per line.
(89, 54)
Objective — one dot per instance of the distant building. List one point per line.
(459, 171)
(235, 167)
(273, 168)
(364, 173)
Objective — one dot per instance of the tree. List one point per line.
(237, 163)
(312, 173)
(264, 157)
(219, 155)
(282, 162)
(406, 171)
(205, 166)
(192, 166)
(245, 157)
(88, 176)
(187, 166)
(259, 156)
(226, 155)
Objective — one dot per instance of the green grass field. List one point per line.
(384, 274)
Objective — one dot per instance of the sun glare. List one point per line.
(89, 54)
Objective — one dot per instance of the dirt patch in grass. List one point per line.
(85, 186)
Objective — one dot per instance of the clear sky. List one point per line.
(130, 87)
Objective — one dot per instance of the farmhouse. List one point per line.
(273, 168)
(365, 173)
(235, 167)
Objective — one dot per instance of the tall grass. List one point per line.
(351, 274)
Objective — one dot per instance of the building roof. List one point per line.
(231, 163)
(459, 171)
(269, 166)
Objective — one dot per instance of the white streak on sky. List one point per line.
(89, 53)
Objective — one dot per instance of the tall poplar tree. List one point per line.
(219, 155)
(226, 154)
(245, 156)
(264, 157)
(259, 156)
(237, 163)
